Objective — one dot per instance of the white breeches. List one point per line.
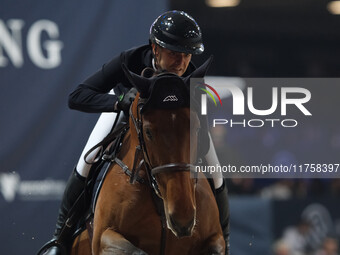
(99, 132)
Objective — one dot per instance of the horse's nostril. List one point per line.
(191, 224)
(182, 230)
(172, 221)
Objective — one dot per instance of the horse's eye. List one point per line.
(148, 133)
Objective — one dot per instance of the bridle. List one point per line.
(141, 148)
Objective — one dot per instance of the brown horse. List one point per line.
(160, 208)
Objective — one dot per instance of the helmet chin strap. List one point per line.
(154, 59)
(154, 64)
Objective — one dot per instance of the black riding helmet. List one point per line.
(177, 31)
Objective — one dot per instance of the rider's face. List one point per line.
(171, 61)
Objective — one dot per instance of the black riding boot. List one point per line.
(223, 207)
(66, 224)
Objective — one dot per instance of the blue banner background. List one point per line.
(41, 139)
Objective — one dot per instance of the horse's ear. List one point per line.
(200, 72)
(141, 83)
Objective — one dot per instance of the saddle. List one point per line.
(109, 148)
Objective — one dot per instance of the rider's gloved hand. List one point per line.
(125, 100)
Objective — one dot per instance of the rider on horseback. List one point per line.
(174, 38)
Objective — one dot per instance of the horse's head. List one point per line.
(161, 115)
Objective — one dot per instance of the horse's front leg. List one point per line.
(112, 242)
(215, 245)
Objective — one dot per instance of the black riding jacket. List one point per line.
(92, 95)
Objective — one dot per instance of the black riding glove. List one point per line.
(125, 100)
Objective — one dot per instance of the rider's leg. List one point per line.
(221, 193)
(75, 185)
(100, 131)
